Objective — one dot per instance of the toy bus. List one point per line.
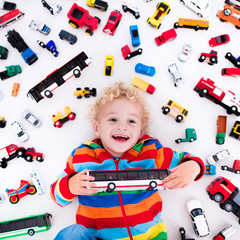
(23, 226)
(125, 180)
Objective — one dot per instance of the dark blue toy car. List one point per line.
(145, 70)
(134, 35)
(67, 36)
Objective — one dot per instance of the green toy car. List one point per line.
(10, 72)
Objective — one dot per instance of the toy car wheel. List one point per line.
(124, 8)
(89, 32)
(199, 14)
(137, 15)
(20, 152)
(166, 110)
(39, 158)
(31, 232)
(111, 187)
(76, 73)
(213, 59)
(158, 26)
(128, 56)
(179, 118)
(205, 91)
(234, 109)
(32, 189)
(73, 24)
(71, 116)
(14, 199)
(237, 27)
(78, 89)
(28, 158)
(224, 167)
(79, 97)
(191, 140)
(153, 184)
(197, 28)
(3, 164)
(176, 25)
(178, 140)
(229, 207)
(227, 12)
(182, 2)
(202, 58)
(218, 197)
(57, 124)
(48, 93)
(140, 51)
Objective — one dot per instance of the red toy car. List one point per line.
(211, 57)
(219, 40)
(112, 23)
(79, 17)
(127, 54)
(166, 36)
(10, 18)
(24, 189)
(232, 72)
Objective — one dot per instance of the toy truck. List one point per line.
(10, 17)
(102, 5)
(190, 136)
(221, 129)
(226, 233)
(235, 132)
(3, 52)
(10, 72)
(139, 83)
(166, 36)
(234, 169)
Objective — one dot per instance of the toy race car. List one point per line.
(59, 119)
(145, 70)
(113, 22)
(86, 92)
(219, 40)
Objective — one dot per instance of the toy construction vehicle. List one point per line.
(190, 136)
(10, 72)
(59, 119)
(86, 92)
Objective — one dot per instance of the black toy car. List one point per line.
(67, 36)
(233, 60)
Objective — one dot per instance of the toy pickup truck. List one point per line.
(10, 72)
(166, 36)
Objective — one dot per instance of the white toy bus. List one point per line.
(125, 180)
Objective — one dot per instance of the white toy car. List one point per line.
(201, 7)
(177, 78)
(212, 159)
(36, 122)
(184, 55)
(39, 26)
(129, 6)
(22, 135)
(198, 218)
(37, 181)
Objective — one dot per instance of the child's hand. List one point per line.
(78, 184)
(182, 175)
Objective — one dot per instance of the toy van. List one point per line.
(192, 23)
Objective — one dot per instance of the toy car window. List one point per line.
(111, 176)
(143, 175)
(224, 182)
(99, 176)
(132, 175)
(197, 211)
(122, 175)
(135, 33)
(224, 38)
(113, 18)
(153, 175)
(20, 134)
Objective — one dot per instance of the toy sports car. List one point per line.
(145, 70)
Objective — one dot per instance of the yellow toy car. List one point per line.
(109, 65)
(163, 9)
(86, 92)
(59, 119)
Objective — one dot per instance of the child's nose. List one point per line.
(122, 126)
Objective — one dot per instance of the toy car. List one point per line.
(7, 5)
(235, 131)
(233, 60)
(219, 40)
(197, 215)
(145, 86)
(99, 4)
(30, 155)
(24, 189)
(108, 65)
(59, 119)
(211, 58)
(3, 52)
(50, 46)
(19, 130)
(54, 8)
(113, 22)
(127, 54)
(67, 36)
(234, 169)
(226, 233)
(3, 122)
(40, 27)
(190, 136)
(212, 159)
(85, 93)
(10, 18)
(163, 9)
(166, 36)
(134, 35)
(79, 17)
(177, 78)
(129, 6)
(37, 181)
(145, 70)
(210, 170)
(15, 89)
(195, 24)
(10, 71)
(232, 72)
(184, 55)
(36, 122)
(201, 7)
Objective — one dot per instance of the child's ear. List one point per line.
(95, 125)
(142, 131)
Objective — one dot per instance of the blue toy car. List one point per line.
(145, 70)
(134, 35)
(210, 170)
(50, 46)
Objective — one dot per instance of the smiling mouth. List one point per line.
(121, 138)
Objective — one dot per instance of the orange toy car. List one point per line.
(15, 89)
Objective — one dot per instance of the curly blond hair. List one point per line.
(119, 90)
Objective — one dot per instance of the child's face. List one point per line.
(119, 125)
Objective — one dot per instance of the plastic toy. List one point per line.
(145, 70)
(30, 154)
(219, 156)
(7, 5)
(36, 122)
(183, 236)
(228, 14)
(40, 27)
(2, 198)
(15, 89)
(79, 17)
(127, 54)
(232, 72)
(233, 2)
(37, 181)
(197, 215)
(10, 17)
(10, 72)
(3, 52)
(184, 55)
(24, 189)
(177, 78)
(175, 110)
(192, 23)
(235, 132)
(221, 129)
(50, 46)
(166, 36)
(145, 86)
(19, 130)
(222, 191)
(233, 60)
(59, 119)
(219, 40)
(127, 180)
(113, 22)
(190, 136)
(228, 100)
(25, 226)
(234, 169)
(99, 4)
(129, 6)
(134, 35)
(108, 65)
(67, 36)
(3, 122)
(59, 77)
(211, 58)
(163, 9)
(210, 170)
(85, 93)
(226, 233)
(201, 7)
(17, 41)
(54, 8)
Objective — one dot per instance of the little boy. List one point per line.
(120, 119)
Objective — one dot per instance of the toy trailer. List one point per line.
(190, 136)
(226, 233)
(235, 132)
(221, 129)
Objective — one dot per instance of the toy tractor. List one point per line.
(190, 136)
(59, 119)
